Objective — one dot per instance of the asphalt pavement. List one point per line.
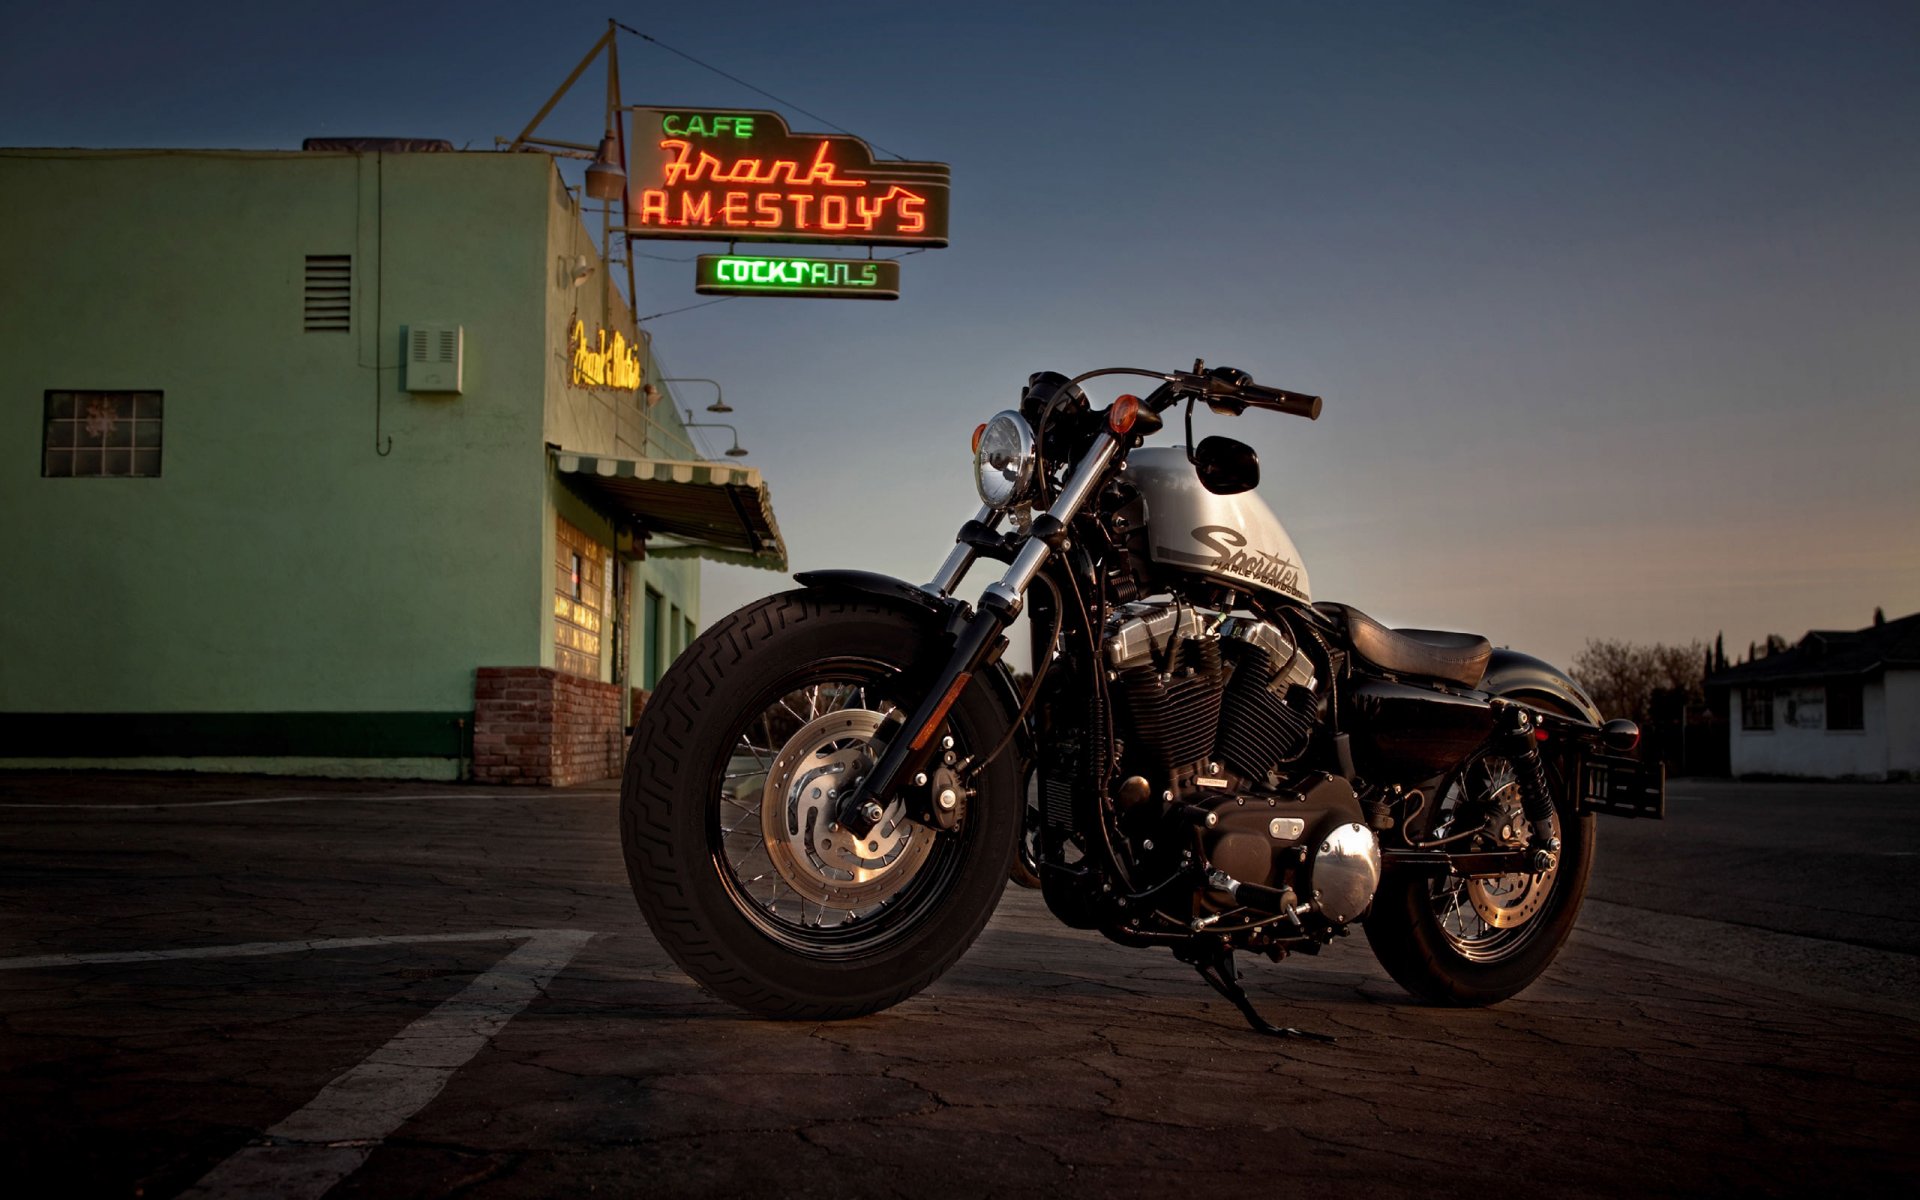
(222, 986)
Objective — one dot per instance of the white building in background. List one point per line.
(1839, 705)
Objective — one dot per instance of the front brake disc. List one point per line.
(828, 866)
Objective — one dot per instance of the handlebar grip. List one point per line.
(1297, 404)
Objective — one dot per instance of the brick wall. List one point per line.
(535, 725)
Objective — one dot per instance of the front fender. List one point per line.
(937, 610)
(1510, 673)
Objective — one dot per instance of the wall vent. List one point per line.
(435, 355)
(329, 295)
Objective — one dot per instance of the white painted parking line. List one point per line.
(329, 1138)
(257, 949)
(339, 796)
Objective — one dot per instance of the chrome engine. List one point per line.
(1204, 699)
(1213, 713)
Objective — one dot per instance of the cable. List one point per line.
(689, 308)
(762, 91)
(1039, 676)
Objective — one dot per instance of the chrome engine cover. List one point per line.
(1291, 667)
(1343, 872)
(1141, 632)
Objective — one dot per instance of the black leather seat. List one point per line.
(1430, 653)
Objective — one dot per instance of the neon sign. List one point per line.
(737, 175)
(601, 363)
(834, 278)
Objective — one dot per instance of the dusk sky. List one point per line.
(1615, 307)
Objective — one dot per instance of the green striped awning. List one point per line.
(719, 511)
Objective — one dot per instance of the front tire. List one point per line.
(1453, 943)
(722, 822)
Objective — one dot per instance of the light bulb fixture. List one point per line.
(734, 451)
(606, 178)
(719, 404)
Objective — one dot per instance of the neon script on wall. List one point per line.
(736, 175)
(600, 362)
(834, 278)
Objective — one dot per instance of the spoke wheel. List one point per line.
(1457, 941)
(1491, 918)
(726, 802)
(802, 881)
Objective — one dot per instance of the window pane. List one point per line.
(1846, 706)
(650, 639)
(101, 434)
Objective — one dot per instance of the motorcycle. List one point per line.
(827, 792)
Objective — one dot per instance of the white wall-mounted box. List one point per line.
(435, 357)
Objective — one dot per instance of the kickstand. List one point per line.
(1216, 967)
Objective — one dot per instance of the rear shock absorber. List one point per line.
(1519, 744)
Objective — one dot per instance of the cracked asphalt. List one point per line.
(1736, 1015)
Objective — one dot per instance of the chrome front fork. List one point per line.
(1012, 586)
(977, 642)
(953, 570)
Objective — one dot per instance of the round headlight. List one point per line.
(1003, 461)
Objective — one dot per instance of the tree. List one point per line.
(1622, 677)
(1879, 615)
(1719, 651)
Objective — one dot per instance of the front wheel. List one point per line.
(1472, 942)
(725, 803)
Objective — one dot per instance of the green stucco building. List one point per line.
(334, 462)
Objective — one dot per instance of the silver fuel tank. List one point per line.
(1236, 539)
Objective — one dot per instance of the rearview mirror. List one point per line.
(1226, 467)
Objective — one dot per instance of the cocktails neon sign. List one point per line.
(838, 278)
(737, 175)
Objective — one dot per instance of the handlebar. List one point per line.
(1297, 404)
(1231, 391)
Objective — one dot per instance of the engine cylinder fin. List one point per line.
(1171, 720)
(1258, 729)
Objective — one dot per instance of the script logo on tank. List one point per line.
(1231, 557)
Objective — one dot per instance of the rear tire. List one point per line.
(681, 827)
(1407, 925)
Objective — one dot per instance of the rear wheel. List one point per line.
(726, 801)
(1470, 942)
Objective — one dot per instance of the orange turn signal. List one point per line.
(978, 432)
(1121, 416)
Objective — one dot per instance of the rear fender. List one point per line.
(1517, 676)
